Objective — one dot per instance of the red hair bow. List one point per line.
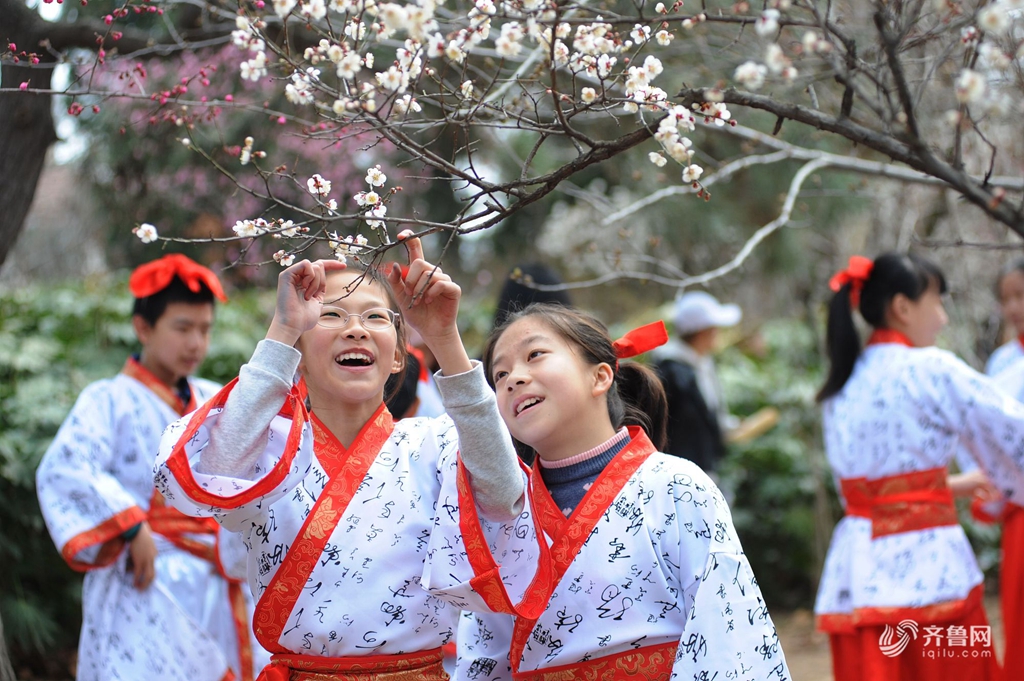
(856, 273)
(155, 276)
(640, 340)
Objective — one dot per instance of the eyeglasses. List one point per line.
(375, 319)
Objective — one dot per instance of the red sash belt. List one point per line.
(651, 663)
(425, 665)
(901, 503)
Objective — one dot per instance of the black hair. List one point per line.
(1015, 265)
(636, 397)
(401, 388)
(152, 308)
(892, 274)
(517, 294)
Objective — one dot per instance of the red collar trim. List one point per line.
(133, 369)
(880, 336)
(332, 454)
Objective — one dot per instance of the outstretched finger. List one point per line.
(412, 244)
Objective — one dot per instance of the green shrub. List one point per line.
(784, 504)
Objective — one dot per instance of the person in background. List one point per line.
(698, 417)
(160, 601)
(894, 415)
(1010, 292)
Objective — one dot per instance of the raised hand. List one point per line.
(430, 304)
(300, 295)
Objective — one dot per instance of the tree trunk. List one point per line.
(26, 121)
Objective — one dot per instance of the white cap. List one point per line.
(698, 310)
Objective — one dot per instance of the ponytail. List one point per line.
(842, 343)
(870, 288)
(642, 401)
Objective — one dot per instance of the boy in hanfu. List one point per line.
(162, 599)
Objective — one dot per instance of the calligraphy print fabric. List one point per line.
(394, 573)
(662, 565)
(100, 466)
(905, 410)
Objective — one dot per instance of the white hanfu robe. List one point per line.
(901, 416)
(94, 483)
(1004, 357)
(651, 582)
(362, 552)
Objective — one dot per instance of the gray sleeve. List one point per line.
(240, 434)
(484, 443)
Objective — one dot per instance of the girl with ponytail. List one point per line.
(649, 576)
(900, 581)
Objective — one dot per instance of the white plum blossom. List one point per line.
(314, 9)
(775, 59)
(246, 228)
(370, 198)
(588, 95)
(146, 232)
(376, 212)
(653, 67)
(406, 103)
(466, 89)
(246, 154)
(283, 7)
(969, 35)
(349, 65)
(970, 86)
(767, 23)
(375, 178)
(809, 43)
(254, 68)
(287, 228)
(509, 43)
(284, 259)
(300, 90)
(393, 79)
(640, 33)
(750, 75)
(454, 52)
(657, 159)
(994, 18)
(605, 64)
(664, 37)
(318, 186)
(993, 57)
(692, 173)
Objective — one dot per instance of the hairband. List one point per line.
(640, 340)
(157, 275)
(856, 273)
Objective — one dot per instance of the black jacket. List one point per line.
(693, 429)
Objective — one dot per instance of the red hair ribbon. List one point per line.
(640, 340)
(855, 274)
(157, 275)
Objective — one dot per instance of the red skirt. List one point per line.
(1011, 587)
(932, 653)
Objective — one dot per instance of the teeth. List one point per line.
(527, 403)
(354, 355)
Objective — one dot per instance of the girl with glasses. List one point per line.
(355, 524)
